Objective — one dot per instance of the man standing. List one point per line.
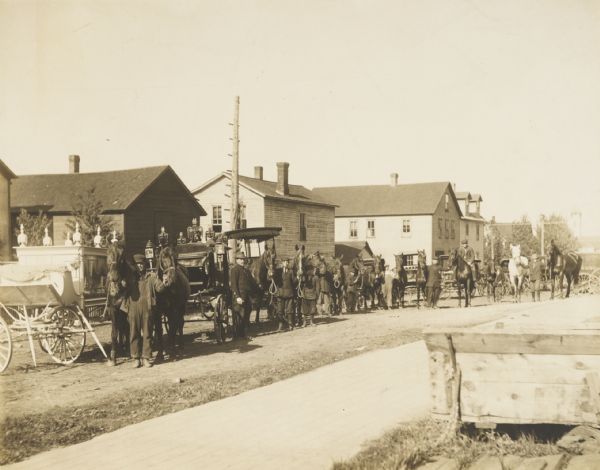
(325, 282)
(285, 292)
(310, 292)
(241, 283)
(535, 277)
(140, 300)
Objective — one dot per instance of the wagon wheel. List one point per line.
(205, 311)
(446, 291)
(5, 346)
(67, 340)
(593, 282)
(481, 287)
(220, 320)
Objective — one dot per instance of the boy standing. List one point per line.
(535, 277)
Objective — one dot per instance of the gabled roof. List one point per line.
(5, 170)
(267, 189)
(117, 190)
(463, 195)
(350, 250)
(382, 200)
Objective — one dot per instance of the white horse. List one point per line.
(516, 268)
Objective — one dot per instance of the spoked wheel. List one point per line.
(220, 320)
(446, 291)
(5, 346)
(66, 341)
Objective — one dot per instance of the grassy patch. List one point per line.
(413, 444)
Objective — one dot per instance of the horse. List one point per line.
(464, 277)
(171, 301)
(516, 270)
(376, 280)
(490, 274)
(561, 266)
(338, 285)
(119, 274)
(262, 269)
(421, 276)
(400, 281)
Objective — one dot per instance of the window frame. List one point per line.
(217, 221)
(371, 230)
(353, 228)
(302, 225)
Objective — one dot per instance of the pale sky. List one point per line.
(500, 97)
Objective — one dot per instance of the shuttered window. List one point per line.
(302, 227)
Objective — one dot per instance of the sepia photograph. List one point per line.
(327, 234)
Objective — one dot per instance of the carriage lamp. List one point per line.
(149, 252)
(210, 234)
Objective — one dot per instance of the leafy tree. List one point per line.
(87, 211)
(556, 228)
(522, 234)
(33, 225)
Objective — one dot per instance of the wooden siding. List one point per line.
(444, 244)
(5, 235)
(165, 203)
(319, 222)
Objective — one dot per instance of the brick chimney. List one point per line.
(283, 187)
(394, 179)
(74, 163)
(258, 172)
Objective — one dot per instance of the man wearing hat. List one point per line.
(209, 263)
(535, 276)
(468, 254)
(241, 284)
(310, 292)
(139, 302)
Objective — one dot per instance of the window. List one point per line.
(446, 230)
(353, 229)
(477, 231)
(405, 226)
(217, 219)
(453, 229)
(447, 200)
(243, 221)
(409, 260)
(302, 227)
(440, 227)
(467, 229)
(370, 228)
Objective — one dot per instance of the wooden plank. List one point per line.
(527, 403)
(530, 342)
(527, 368)
(593, 382)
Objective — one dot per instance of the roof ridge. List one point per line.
(382, 185)
(97, 172)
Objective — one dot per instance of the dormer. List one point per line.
(475, 204)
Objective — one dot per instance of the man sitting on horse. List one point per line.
(468, 254)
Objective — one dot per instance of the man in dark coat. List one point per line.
(325, 283)
(139, 302)
(285, 291)
(310, 292)
(535, 276)
(241, 284)
(434, 283)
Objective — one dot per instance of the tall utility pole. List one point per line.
(235, 194)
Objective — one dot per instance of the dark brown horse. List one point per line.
(338, 286)
(464, 277)
(120, 273)
(421, 276)
(561, 266)
(171, 302)
(400, 281)
(262, 269)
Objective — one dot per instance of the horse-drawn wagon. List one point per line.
(42, 304)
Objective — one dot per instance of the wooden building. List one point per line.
(305, 217)
(397, 218)
(472, 224)
(139, 201)
(6, 175)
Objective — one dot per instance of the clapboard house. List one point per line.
(397, 218)
(304, 217)
(6, 175)
(139, 201)
(472, 224)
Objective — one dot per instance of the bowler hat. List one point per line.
(240, 255)
(465, 242)
(139, 258)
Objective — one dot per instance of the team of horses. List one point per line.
(365, 280)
